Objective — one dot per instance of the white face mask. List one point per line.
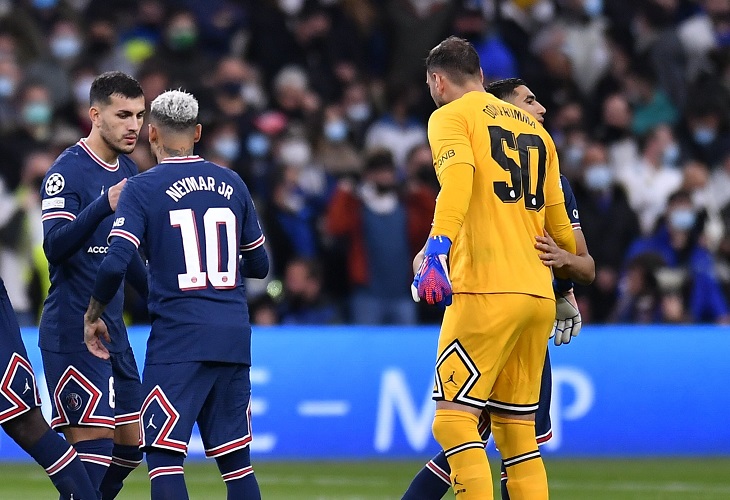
(295, 153)
(291, 7)
(598, 177)
(65, 47)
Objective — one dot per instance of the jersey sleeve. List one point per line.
(571, 206)
(65, 225)
(130, 221)
(448, 136)
(553, 187)
(252, 237)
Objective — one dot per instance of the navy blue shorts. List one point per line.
(18, 391)
(215, 395)
(86, 390)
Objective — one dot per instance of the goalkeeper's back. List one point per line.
(516, 182)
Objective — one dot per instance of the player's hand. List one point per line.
(432, 279)
(93, 333)
(114, 192)
(551, 254)
(567, 319)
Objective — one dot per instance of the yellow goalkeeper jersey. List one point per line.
(516, 175)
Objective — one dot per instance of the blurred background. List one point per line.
(321, 106)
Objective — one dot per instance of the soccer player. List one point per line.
(432, 481)
(500, 186)
(20, 414)
(192, 218)
(95, 403)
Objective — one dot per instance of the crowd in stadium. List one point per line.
(321, 106)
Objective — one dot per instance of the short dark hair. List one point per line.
(503, 89)
(456, 57)
(107, 84)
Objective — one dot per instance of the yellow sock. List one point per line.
(526, 477)
(456, 432)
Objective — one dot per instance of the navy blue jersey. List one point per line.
(192, 218)
(571, 206)
(77, 219)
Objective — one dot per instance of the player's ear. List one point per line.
(198, 132)
(152, 133)
(94, 114)
(481, 76)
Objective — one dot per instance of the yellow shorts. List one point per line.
(492, 349)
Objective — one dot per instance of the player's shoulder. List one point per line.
(128, 165)
(68, 161)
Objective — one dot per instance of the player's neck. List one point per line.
(461, 91)
(100, 148)
(173, 150)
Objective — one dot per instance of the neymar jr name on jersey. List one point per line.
(186, 185)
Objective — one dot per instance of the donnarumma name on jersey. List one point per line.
(186, 185)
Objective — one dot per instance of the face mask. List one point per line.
(7, 86)
(295, 153)
(671, 154)
(65, 47)
(82, 88)
(593, 8)
(44, 4)
(257, 145)
(704, 135)
(573, 155)
(291, 7)
(253, 95)
(227, 147)
(182, 39)
(598, 177)
(37, 113)
(359, 112)
(336, 131)
(682, 219)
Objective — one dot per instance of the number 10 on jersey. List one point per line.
(219, 276)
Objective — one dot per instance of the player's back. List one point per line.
(515, 176)
(196, 215)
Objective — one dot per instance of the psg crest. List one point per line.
(73, 401)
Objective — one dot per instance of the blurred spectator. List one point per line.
(102, 45)
(293, 97)
(34, 132)
(609, 226)
(397, 130)
(656, 176)
(615, 132)
(706, 136)
(358, 110)
(262, 311)
(640, 299)
(10, 75)
(304, 302)
(371, 215)
(335, 151)
(694, 275)
(651, 105)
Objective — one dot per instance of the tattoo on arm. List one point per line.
(95, 309)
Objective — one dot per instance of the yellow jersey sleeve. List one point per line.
(449, 138)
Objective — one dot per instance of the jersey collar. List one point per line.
(181, 159)
(112, 167)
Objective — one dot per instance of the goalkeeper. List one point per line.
(432, 482)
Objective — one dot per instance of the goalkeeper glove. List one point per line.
(432, 279)
(567, 319)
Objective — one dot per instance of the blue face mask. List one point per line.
(257, 145)
(65, 47)
(358, 112)
(671, 154)
(336, 131)
(704, 135)
(37, 113)
(7, 86)
(682, 219)
(598, 177)
(44, 4)
(593, 8)
(227, 147)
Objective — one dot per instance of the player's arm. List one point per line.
(66, 229)
(579, 267)
(109, 278)
(450, 144)
(254, 259)
(137, 275)
(557, 223)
